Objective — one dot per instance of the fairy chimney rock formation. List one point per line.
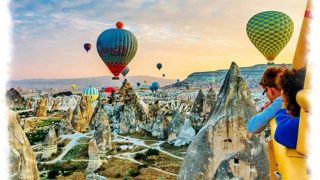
(220, 150)
(100, 123)
(82, 115)
(94, 158)
(186, 134)
(198, 103)
(175, 126)
(50, 143)
(22, 159)
(41, 110)
(13, 97)
(211, 98)
(28, 104)
(55, 105)
(125, 85)
(77, 118)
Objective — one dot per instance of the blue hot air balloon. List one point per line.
(138, 84)
(125, 71)
(117, 47)
(154, 86)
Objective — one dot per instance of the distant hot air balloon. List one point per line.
(154, 86)
(270, 31)
(87, 46)
(163, 75)
(73, 86)
(91, 92)
(125, 71)
(159, 66)
(109, 90)
(138, 84)
(117, 47)
(145, 81)
(102, 95)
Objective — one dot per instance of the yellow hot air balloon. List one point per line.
(73, 86)
(270, 31)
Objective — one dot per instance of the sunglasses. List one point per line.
(265, 90)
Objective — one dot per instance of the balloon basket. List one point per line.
(115, 78)
(270, 63)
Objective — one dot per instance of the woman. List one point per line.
(291, 83)
(270, 82)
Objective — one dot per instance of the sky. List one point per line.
(186, 36)
(45, 40)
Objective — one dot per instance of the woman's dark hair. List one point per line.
(291, 82)
(271, 77)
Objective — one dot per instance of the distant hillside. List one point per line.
(83, 82)
(249, 73)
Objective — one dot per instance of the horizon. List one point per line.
(110, 76)
(185, 36)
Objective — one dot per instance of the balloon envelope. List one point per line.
(103, 95)
(270, 31)
(163, 75)
(116, 47)
(87, 46)
(109, 90)
(138, 84)
(125, 71)
(159, 66)
(154, 86)
(91, 92)
(73, 86)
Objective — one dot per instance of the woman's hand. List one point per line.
(265, 106)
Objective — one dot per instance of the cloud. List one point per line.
(59, 28)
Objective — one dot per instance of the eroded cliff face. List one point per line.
(22, 159)
(220, 150)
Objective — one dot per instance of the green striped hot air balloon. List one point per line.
(91, 92)
(270, 31)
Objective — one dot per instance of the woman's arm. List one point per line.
(287, 129)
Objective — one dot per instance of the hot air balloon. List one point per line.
(163, 75)
(73, 86)
(125, 71)
(109, 90)
(145, 81)
(159, 66)
(138, 84)
(270, 31)
(102, 95)
(154, 86)
(117, 47)
(91, 92)
(87, 46)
